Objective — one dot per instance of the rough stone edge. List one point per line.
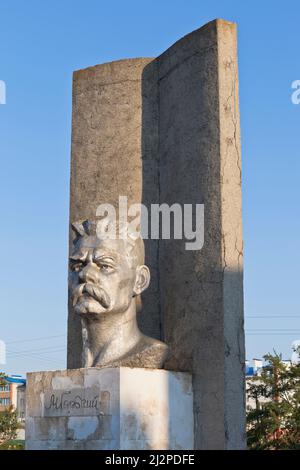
(232, 238)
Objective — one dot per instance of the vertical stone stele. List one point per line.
(166, 130)
(201, 292)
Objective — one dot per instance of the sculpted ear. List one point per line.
(142, 279)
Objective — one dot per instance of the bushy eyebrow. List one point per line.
(79, 256)
(111, 255)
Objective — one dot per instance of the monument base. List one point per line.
(110, 408)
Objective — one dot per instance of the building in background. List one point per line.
(253, 367)
(21, 402)
(12, 393)
(6, 396)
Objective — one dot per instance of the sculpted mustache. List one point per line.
(97, 293)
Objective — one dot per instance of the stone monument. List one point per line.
(106, 275)
(160, 364)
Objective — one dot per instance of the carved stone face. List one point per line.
(105, 276)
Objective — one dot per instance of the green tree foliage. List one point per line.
(8, 420)
(274, 420)
(8, 425)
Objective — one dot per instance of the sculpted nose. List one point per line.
(89, 273)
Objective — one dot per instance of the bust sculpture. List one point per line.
(106, 276)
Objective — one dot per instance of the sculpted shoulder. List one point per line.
(149, 353)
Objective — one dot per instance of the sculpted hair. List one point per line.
(103, 229)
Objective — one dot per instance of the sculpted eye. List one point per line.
(106, 265)
(106, 268)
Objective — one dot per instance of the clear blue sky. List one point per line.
(41, 43)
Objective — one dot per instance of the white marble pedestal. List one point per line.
(110, 408)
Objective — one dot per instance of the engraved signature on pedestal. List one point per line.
(62, 402)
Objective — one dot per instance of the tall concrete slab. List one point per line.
(167, 130)
(202, 291)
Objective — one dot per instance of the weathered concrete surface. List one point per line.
(202, 291)
(113, 408)
(167, 130)
(107, 163)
